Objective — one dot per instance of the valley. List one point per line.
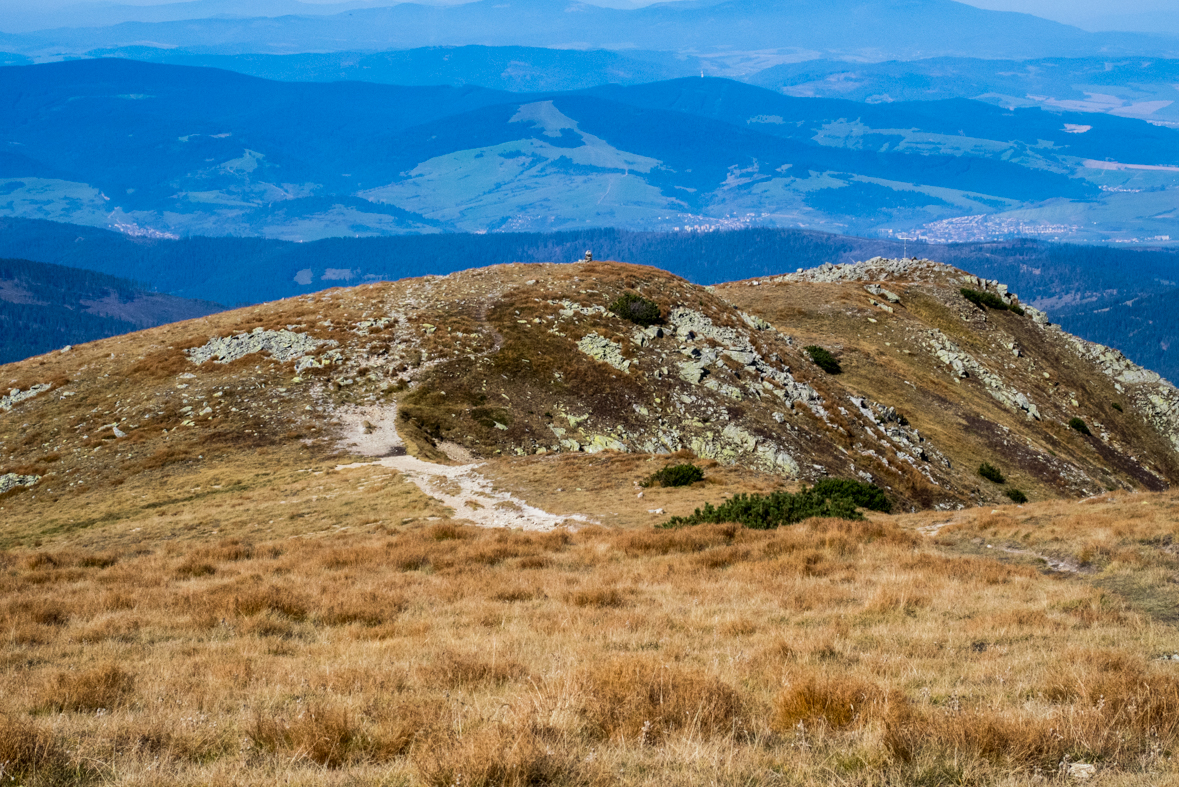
(217, 153)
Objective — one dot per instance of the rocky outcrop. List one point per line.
(16, 396)
(602, 349)
(281, 345)
(1153, 396)
(965, 365)
(875, 269)
(10, 481)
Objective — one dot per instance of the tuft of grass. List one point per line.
(102, 688)
(327, 736)
(823, 359)
(838, 702)
(991, 473)
(641, 700)
(502, 756)
(634, 307)
(675, 475)
(1079, 425)
(31, 755)
(598, 597)
(451, 670)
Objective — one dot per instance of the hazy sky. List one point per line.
(1090, 14)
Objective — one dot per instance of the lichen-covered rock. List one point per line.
(1154, 396)
(692, 371)
(875, 269)
(282, 346)
(964, 365)
(16, 395)
(880, 292)
(602, 349)
(10, 481)
(600, 442)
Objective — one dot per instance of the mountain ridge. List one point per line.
(524, 360)
(918, 29)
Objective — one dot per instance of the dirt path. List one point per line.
(471, 495)
(461, 487)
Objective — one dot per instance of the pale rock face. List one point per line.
(1155, 397)
(16, 396)
(282, 346)
(964, 365)
(880, 292)
(602, 349)
(10, 481)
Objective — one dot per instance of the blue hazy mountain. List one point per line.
(1130, 87)
(872, 29)
(514, 68)
(1134, 87)
(176, 150)
(27, 17)
(44, 307)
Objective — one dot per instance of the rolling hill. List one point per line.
(399, 532)
(46, 307)
(221, 153)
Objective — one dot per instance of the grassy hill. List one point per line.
(243, 547)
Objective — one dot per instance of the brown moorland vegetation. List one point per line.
(230, 592)
(829, 652)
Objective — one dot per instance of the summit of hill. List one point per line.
(938, 372)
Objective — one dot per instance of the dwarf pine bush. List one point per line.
(991, 473)
(989, 300)
(636, 308)
(837, 498)
(823, 359)
(675, 475)
(1079, 425)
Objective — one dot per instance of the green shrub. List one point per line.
(823, 359)
(867, 496)
(1117, 406)
(989, 300)
(636, 308)
(675, 475)
(1079, 425)
(828, 498)
(1016, 495)
(991, 473)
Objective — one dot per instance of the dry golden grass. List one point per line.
(428, 653)
(218, 604)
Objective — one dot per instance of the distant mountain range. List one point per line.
(26, 17)
(45, 307)
(1126, 86)
(169, 150)
(802, 29)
